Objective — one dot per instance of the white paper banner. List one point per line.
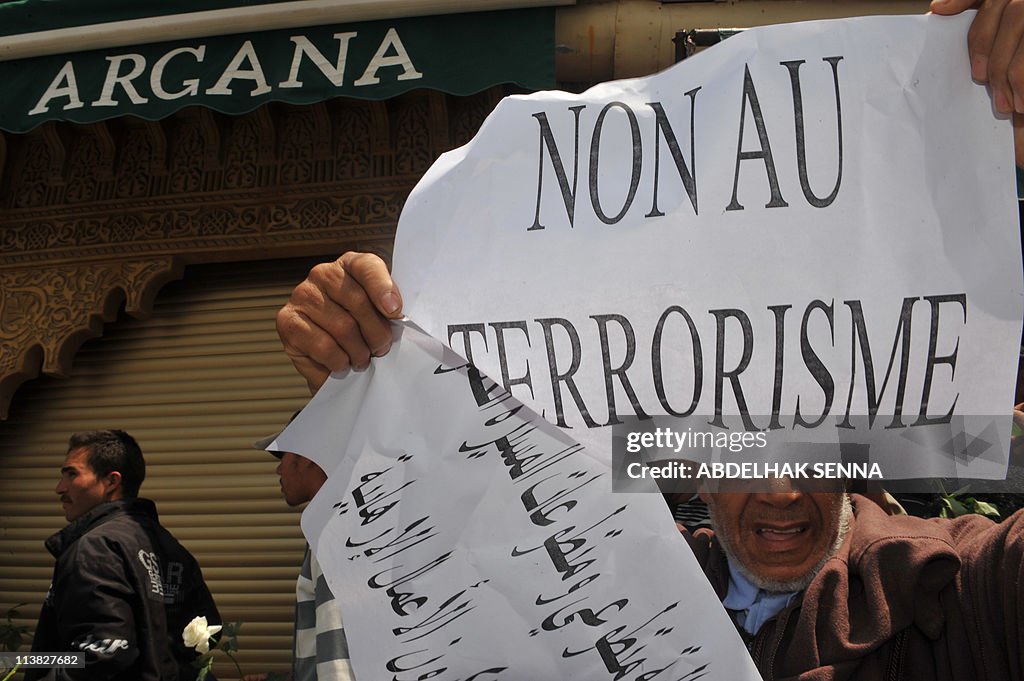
(467, 538)
(805, 224)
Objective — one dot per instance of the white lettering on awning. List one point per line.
(379, 61)
(191, 88)
(64, 84)
(335, 74)
(245, 53)
(113, 80)
(244, 65)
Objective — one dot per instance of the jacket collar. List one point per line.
(58, 542)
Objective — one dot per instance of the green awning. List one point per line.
(455, 53)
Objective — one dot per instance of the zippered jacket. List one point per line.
(123, 591)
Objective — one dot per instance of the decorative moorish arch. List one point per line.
(96, 216)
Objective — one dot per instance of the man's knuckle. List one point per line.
(361, 264)
(354, 298)
(287, 321)
(1015, 71)
(344, 327)
(979, 37)
(324, 350)
(281, 320)
(325, 274)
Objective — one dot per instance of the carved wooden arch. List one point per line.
(203, 120)
(68, 263)
(34, 169)
(380, 130)
(47, 313)
(193, 149)
(90, 163)
(141, 157)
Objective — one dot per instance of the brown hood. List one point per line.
(850, 610)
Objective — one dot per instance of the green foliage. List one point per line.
(13, 635)
(956, 504)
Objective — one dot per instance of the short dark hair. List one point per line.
(113, 450)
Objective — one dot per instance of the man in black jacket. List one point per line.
(123, 588)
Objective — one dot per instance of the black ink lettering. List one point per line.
(505, 445)
(565, 377)
(527, 465)
(503, 416)
(933, 340)
(656, 363)
(610, 648)
(392, 664)
(780, 343)
(814, 364)
(465, 330)
(370, 513)
(506, 379)
(620, 372)
(860, 333)
(662, 126)
(595, 152)
(764, 153)
(572, 589)
(403, 541)
(801, 144)
(446, 613)
(721, 374)
(587, 615)
(374, 582)
(540, 510)
(560, 549)
(547, 139)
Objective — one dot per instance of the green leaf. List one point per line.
(11, 641)
(205, 669)
(957, 508)
(984, 508)
(953, 508)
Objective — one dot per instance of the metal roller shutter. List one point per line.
(195, 384)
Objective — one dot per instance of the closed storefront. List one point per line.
(195, 384)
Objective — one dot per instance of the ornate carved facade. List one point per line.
(95, 215)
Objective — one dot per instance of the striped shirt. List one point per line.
(692, 513)
(321, 651)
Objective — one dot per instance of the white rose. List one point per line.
(198, 633)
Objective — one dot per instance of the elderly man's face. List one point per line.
(782, 537)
